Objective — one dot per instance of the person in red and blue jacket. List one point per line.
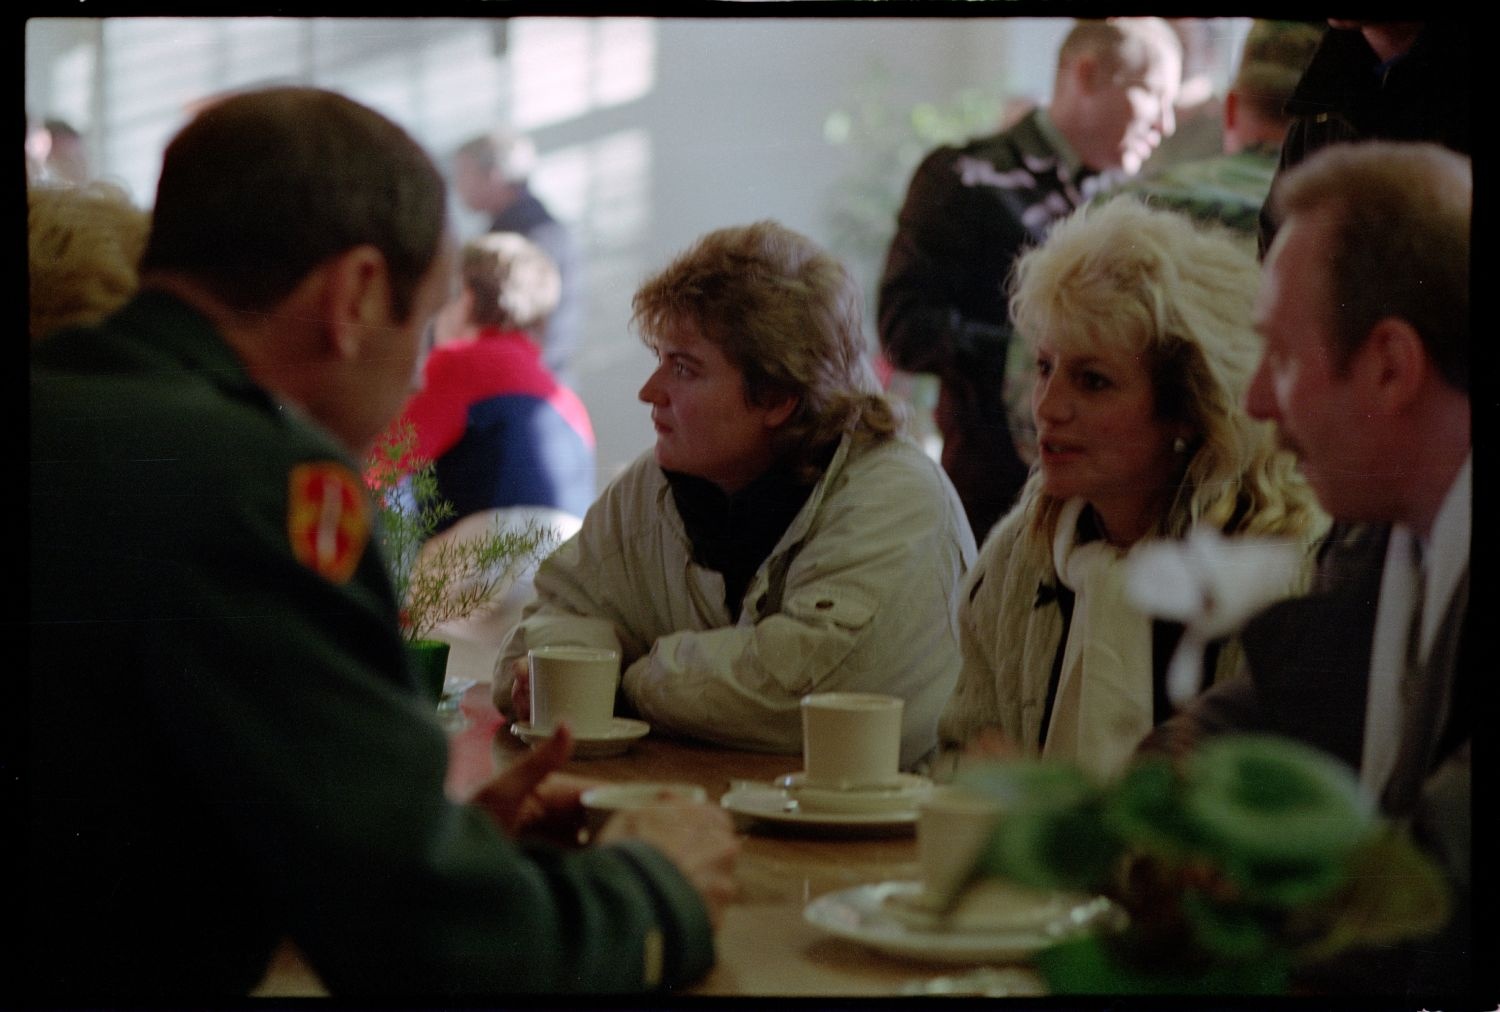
(502, 430)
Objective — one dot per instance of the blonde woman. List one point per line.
(1139, 321)
(84, 246)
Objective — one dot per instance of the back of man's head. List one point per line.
(263, 187)
(1271, 63)
(1400, 224)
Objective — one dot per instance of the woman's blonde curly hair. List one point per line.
(84, 250)
(1179, 294)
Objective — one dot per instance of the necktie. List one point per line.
(1414, 633)
(1391, 690)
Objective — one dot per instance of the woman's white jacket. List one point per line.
(860, 594)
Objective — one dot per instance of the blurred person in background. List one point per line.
(500, 428)
(1200, 108)
(969, 212)
(67, 153)
(1381, 80)
(1231, 186)
(491, 174)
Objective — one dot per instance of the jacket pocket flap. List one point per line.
(842, 606)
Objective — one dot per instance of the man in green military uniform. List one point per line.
(226, 747)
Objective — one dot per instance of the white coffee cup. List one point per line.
(573, 684)
(953, 826)
(851, 739)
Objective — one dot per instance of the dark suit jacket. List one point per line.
(1309, 667)
(1308, 674)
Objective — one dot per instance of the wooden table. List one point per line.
(765, 947)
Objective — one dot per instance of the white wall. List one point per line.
(736, 127)
(652, 131)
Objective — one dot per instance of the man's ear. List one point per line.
(1394, 364)
(356, 297)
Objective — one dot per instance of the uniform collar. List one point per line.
(1070, 164)
(169, 328)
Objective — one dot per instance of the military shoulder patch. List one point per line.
(327, 519)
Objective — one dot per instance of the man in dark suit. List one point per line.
(1364, 305)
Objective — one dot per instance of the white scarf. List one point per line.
(1103, 706)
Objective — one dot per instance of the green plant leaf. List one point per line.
(1099, 966)
(1052, 834)
(454, 579)
(1234, 932)
(1145, 809)
(1267, 801)
(1393, 892)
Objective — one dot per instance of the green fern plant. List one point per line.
(450, 579)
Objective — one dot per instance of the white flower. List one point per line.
(1212, 585)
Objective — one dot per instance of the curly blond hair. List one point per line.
(1179, 294)
(84, 253)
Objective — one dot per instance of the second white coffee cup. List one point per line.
(573, 684)
(953, 826)
(851, 739)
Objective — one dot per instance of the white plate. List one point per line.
(861, 915)
(621, 734)
(766, 803)
(599, 803)
(904, 794)
(989, 905)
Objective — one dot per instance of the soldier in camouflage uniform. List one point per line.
(1230, 188)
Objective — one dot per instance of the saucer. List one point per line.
(901, 794)
(989, 905)
(766, 805)
(621, 734)
(599, 803)
(862, 914)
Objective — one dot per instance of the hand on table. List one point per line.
(990, 744)
(698, 838)
(531, 797)
(520, 690)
